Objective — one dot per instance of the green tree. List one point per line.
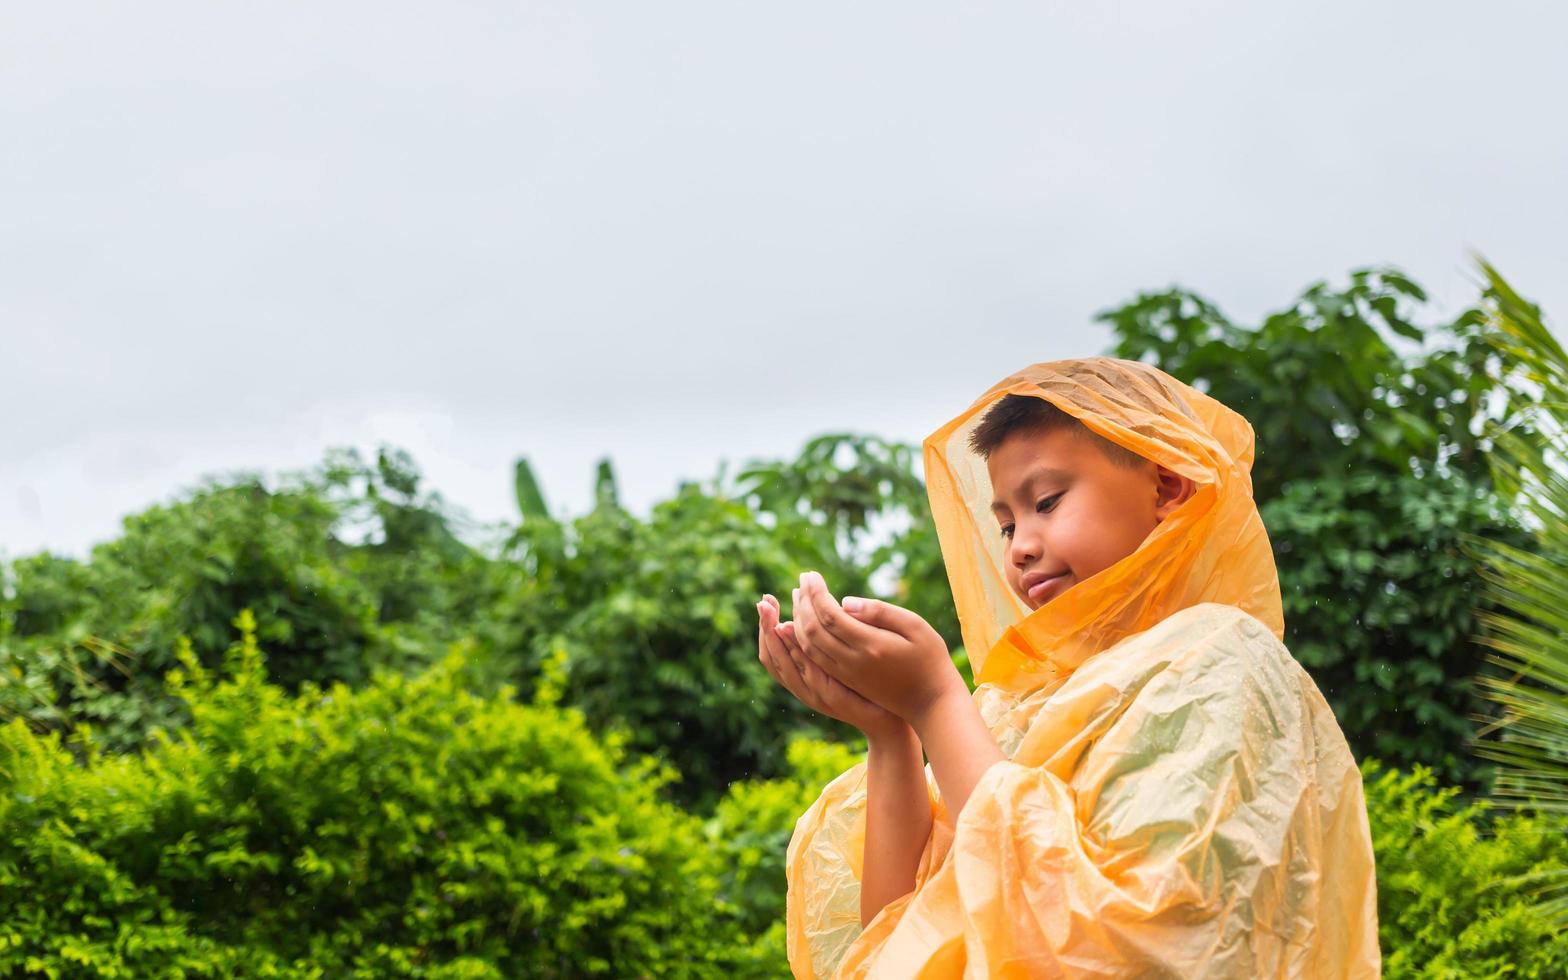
(348, 565)
(90, 642)
(854, 508)
(654, 624)
(1370, 472)
(431, 588)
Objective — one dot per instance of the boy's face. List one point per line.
(1066, 512)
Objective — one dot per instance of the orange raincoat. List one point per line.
(1177, 798)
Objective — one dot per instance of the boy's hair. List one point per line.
(1025, 413)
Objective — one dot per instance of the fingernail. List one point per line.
(853, 604)
(803, 579)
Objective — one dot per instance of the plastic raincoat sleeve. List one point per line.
(1194, 826)
(825, 862)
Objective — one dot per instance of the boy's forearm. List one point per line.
(898, 820)
(960, 746)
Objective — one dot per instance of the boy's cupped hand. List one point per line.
(888, 655)
(778, 648)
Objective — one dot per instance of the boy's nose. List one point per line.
(1023, 550)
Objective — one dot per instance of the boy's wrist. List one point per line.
(896, 734)
(940, 706)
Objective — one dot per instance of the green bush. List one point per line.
(1445, 905)
(406, 829)
(751, 828)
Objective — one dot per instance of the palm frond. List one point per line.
(1527, 634)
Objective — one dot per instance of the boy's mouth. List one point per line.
(1038, 586)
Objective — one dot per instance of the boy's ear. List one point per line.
(1171, 490)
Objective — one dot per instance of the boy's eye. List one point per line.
(1044, 507)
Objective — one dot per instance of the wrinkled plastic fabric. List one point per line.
(1177, 798)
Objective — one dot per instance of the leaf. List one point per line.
(604, 488)
(530, 500)
(1529, 586)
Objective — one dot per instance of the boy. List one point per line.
(1144, 782)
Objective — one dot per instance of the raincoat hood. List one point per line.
(1213, 548)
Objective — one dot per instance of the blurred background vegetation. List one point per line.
(321, 726)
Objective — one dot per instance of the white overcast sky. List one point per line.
(232, 235)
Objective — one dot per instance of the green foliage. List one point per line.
(1448, 901)
(353, 568)
(1528, 634)
(415, 826)
(655, 622)
(1370, 472)
(409, 828)
(89, 642)
(429, 587)
(530, 499)
(50, 593)
(855, 509)
(1326, 382)
(1379, 596)
(751, 828)
(191, 567)
(654, 619)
